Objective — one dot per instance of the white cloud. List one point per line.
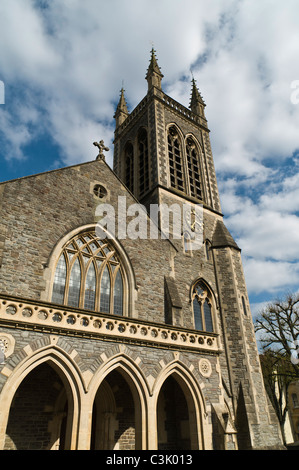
(72, 56)
(26, 52)
(269, 276)
(283, 197)
(78, 53)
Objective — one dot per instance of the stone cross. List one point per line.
(101, 146)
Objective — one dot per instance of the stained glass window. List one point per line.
(75, 284)
(118, 294)
(208, 316)
(89, 275)
(197, 315)
(59, 281)
(105, 292)
(202, 308)
(90, 288)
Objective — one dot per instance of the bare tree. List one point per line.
(277, 328)
(277, 377)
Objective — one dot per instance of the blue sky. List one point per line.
(63, 63)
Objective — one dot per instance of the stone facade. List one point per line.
(149, 378)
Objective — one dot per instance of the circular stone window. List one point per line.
(99, 191)
(205, 367)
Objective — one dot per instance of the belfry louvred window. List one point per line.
(176, 168)
(89, 275)
(202, 308)
(193, 169)
(143, 162)
(129, 166)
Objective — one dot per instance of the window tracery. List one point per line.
(143, 159)
(176, 168)
(193, 168)
(202, 308)
(129, 167)
(89, 275)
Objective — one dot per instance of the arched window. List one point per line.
(244, 306)
(176, 167)
(90, 288)
(129, 166)
(193, 168)
(143, 161)
(118, 294)
(207, 250)
(202, 308)
(74, 284)
(59, 281)
(89, 275)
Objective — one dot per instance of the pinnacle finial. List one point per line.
(197, 104)
(154, 75)
(121, 112)
(122, 105)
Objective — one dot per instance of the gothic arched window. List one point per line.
(202, 307)
(207, 249)
(143, 162)
(89, 275)
(193, 168)
(244, 306)
(176, 167)
(129, 167)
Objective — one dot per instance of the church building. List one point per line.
(118, 330)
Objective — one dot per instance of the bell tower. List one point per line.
(162, 153)
(162, 149)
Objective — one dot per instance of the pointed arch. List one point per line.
(203, 304)
(137, 384)
(176, 158)
(57, 280)
(193, 395)
(69, 375)
(128, 366)
(193, 155)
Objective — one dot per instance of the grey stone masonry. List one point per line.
(178, 367)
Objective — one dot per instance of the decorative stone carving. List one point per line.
(101, 146)
(205, 367)
(7, 344)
